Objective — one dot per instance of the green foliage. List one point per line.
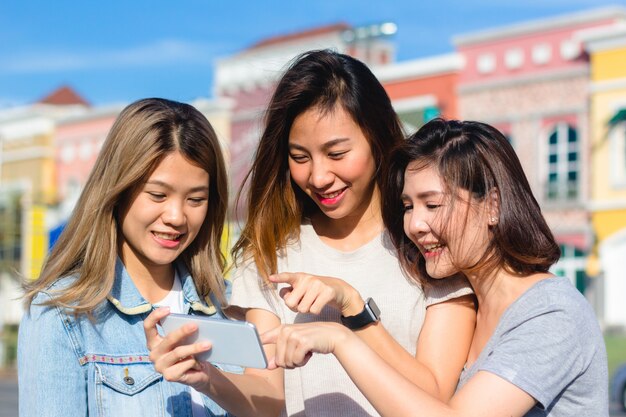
(616, 351)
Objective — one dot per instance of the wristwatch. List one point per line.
(369, 315)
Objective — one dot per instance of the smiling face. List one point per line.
(165, 215)
(331, 161)
(451, 235)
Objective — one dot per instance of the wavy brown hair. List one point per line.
(275, 206)
(144, 133)
(475, 157)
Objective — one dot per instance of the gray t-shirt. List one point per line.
(549, 344)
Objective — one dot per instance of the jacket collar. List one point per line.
(127, 299)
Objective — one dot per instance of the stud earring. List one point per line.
(494, 220)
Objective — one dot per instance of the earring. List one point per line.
(494, 220)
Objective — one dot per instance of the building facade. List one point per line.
(422, 89)
(607, 50)
(530, 80)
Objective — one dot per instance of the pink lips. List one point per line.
(330, 201)
(170, 244)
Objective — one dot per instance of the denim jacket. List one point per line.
(76, 366)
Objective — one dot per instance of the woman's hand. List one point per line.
(310, 293)
(174, 359)
(295, 343)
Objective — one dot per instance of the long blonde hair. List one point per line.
(143, 134)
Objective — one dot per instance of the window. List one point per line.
(572, 265)
(541, 54)
(10, 231)
(617, 140)
(514, 58)
(486, 63)
(563, 163)
(570, 50)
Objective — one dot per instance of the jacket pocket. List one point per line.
(129, 389)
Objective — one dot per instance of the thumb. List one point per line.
(270, 336)
(271, 364)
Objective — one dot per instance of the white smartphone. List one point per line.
(234, 342)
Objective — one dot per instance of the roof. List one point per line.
(63, 96)
(321, 30)
(533, 26)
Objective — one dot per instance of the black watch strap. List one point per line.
(369, 315)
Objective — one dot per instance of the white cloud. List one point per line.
(161, 53)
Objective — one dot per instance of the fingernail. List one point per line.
(205, 345)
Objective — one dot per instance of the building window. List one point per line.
(572, 265)
(563, 163)
(541, 54)
(486, 63)
(570, 50)
(10, 231)
(617, 139)
(514, 58)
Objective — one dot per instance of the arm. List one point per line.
(258, 392)
(485, 395)
(47, 355)
(442, 346)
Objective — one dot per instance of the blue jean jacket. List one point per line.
(76, 366)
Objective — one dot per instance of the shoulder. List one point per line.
(553, 309)
(555, 295)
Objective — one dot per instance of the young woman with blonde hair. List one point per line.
(145, 232)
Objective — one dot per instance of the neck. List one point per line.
(353, 230)
(152, 281)
(497, 290)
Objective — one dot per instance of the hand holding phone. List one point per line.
(233, 342)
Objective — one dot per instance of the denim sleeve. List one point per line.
(51, 380)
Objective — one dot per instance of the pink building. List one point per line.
(531, 81)
(77, 142)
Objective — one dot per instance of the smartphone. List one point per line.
(234, 342)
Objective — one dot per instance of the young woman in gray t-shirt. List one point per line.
(459, 202)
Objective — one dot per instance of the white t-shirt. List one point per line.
(176, 302)
(322, 387)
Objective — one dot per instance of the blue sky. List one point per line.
(117, 51)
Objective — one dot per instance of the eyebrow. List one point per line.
(326, 146)
(169, 187)
(424, 195)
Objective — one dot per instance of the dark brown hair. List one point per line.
(475, 157)
(275, 205)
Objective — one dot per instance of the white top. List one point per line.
(322, 387)
(175, 301)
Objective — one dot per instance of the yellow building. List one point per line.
(607, 49)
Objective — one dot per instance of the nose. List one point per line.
(321, 176)
(415, 224)
(173, 213)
